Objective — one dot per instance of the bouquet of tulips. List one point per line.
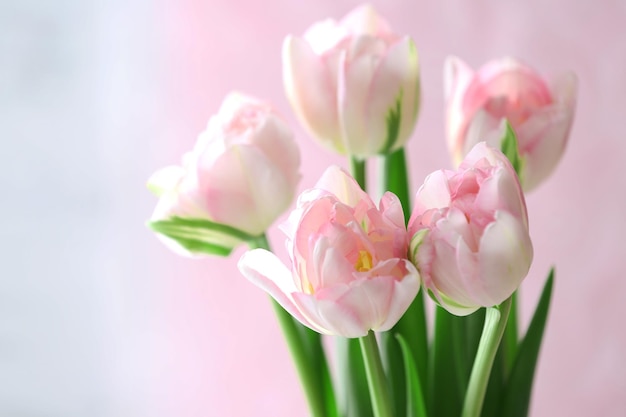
(356, 268)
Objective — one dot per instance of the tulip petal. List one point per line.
(447, 281)
(544, 136)
(457, 78)
(339, 183)
(505, 256)
(434, 193)
(267, 272)
(353, 83)
(364, 20)
(394, 96)
(327, 316)
(238, 184)
(501, 191)
(391, 209)
(311, 91)
(330, 260)
(275, 139)
(373, 302)
(482, 128)
(404, 292)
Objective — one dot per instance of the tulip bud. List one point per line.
(354, 84)
(240, 176)
(349, 271)
(470, 233)
(540, 113)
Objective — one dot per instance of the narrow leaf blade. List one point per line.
(416, 405)
(509, 147)
(516, 398)
(201, 236)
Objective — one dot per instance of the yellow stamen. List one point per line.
(364, 263)
(307, 287)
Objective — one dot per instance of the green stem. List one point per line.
(357, 169)
(495, 323)
(510, 339)
(355, 396)
(395, 179)
(412, 326)
(381, 401)
(314, 375)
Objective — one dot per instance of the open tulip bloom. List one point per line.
(350, 273)
(355, 268)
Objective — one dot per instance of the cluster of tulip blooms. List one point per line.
(357, 268)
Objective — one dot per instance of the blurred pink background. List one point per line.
(98, 318)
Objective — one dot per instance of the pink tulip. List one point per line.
(242, 172)
(541, 114)
(351, 82)
(349, 270)
(470, 233)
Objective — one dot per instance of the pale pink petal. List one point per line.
(483, 128)
(524, 76)
(457, 78)
(267, 272)
(396, 81)
(237, 187)
(434, 193)
(364, 20)
(329, 258)
(328, 316)
(506, 253)
(544, 136)
(325, 35)
(444, 269)
(501, 191)
(311, 91)
(354, 79)
(368, 299)
(275, 139)
(467, 260)
(313, 218)
(391, 209)
(404, 292)
(339, 183)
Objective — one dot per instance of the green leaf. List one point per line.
(415, 405)
(516, 398)
(394, 367)
(448, 375)
(510, 338)
(395, 179)
(412, 326)
(307, 352)
(355, 397)
(495, 386)
(509, 147)
(201, 235)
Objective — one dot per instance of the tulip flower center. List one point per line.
(364, 262)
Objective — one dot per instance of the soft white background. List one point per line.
(97, 318)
